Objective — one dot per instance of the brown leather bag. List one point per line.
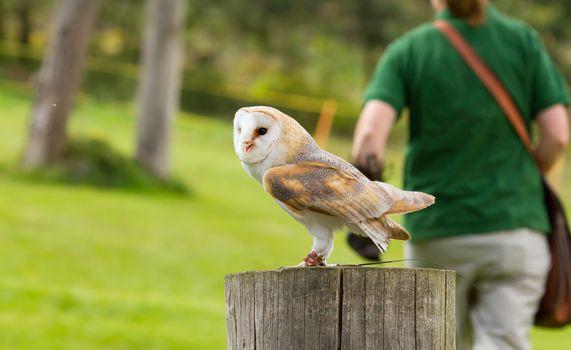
(555, 306)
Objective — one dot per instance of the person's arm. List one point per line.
(372, 131)
(554, 135)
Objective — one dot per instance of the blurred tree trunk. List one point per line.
(3, 9)
(159, 84)
(379, 23)
(58, 81)
(370, 18)
(23, 13)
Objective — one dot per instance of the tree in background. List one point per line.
(2, 20)
(24, 13)
(159, 84)
(58, 80)
(371, 17)
(319, 48)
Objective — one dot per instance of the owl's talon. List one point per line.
(313, 259)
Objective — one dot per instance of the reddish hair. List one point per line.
(466, 8)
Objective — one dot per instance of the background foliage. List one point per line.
(321, 48)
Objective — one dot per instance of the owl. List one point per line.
(320, 190)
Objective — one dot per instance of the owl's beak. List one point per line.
(249, 146)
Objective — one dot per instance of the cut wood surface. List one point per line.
(344, 307)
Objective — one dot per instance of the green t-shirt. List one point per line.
(461, 147)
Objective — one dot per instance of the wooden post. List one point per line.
(344, 307)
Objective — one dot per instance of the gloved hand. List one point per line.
(372, 169)
(363, 245)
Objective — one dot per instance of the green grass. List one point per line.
(89, 268)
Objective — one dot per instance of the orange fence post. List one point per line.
(325, 122)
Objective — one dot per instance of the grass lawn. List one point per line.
(88, 268)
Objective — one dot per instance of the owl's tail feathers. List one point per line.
(406, 201)
(395, 230)
(376, 233)
(381, 230)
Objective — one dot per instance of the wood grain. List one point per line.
(344, 307)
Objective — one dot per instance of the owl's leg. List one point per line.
(321, 249)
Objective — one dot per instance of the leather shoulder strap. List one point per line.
(489, 80)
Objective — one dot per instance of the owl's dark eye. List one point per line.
(262, 131)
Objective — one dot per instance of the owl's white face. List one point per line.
(255, 135)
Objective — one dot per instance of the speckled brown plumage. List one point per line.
(320, 187)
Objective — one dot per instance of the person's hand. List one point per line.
(372, 168)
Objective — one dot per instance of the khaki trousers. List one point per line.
(500, 279)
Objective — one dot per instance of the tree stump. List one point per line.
(343, 307)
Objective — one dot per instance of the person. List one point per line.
(489, 221)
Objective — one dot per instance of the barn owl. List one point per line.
(320, 190)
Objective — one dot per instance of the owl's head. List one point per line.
(262, 133)
(256, 132)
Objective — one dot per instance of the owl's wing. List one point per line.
(326, 189)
